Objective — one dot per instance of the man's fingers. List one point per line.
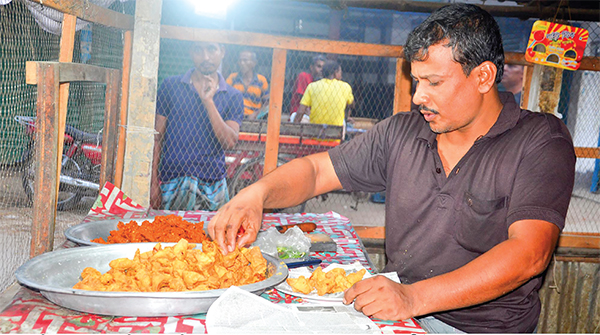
(356, 290)
(221, 231)
(250, 232)
(236, 220)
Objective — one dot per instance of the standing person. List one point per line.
(327, 99)
(254, 86)
(512, 80)
(302, 81)
(198, 116)
(477, 189)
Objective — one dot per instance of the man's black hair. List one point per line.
(470, 31)
(318, 58)
(329, 68)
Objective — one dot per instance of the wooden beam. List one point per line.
(522, 12)
(587, 63)
(127, 44)
(275, 105)
(321, 46)
(89, 11)
(279, 42)
(67, 44)
(566, 240)
(72, 72)
(46, 140)
(582, 152)
(581, 240)
(402, 87)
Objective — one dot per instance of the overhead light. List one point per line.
(212, 8)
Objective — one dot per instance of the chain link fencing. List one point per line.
(371, 80)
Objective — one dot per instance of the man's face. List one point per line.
(207, 57)
(246, 62)
(513, 75)
(317, 69)
(447, 98)
(338, 74)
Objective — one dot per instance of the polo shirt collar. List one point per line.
(508, 118)
(187, 78)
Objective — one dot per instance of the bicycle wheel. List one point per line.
(68, 197)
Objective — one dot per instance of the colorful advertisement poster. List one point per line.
(556, 45)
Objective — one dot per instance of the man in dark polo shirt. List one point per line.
(477, 189)
(198, 117)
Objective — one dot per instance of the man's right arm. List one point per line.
(312, 175)
(302, 110)
(160, 125)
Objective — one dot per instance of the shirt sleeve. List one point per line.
(265, 87)
(235, 110)
(229, 79)
(306, 98)
(349, 95)
(544, 180)
(162, 99)
(303, 82)
(361, 164)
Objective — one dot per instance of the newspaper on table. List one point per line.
(239, 311)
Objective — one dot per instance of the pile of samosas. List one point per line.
(332, 281)
(166, 228)
(178, 268)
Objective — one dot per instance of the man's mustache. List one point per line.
(421, 108)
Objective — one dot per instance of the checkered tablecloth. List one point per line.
(30, 312)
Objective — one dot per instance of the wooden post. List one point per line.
(67, 43)
(127, 42)
(527, 78)
(141, 111)
(109, 135)
(44, 199)
(275, 105)
(403, 86)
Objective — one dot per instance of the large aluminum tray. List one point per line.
(84, 233)
(54, 274)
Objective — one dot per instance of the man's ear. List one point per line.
(486, 76)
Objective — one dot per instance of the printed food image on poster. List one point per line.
(556, 45)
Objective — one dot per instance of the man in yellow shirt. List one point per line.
(326, 100)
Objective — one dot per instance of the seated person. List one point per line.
(254, 86)
(198, 117)
(326, 100)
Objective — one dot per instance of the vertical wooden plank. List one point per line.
(109, 134)
(44, 199)
(67, 43)
(141, 110)
(403, 86)
(275, 104)
(528, 75)
(127, 43)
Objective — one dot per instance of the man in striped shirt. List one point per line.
(254, 87)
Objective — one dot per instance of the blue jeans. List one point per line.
(434, 326)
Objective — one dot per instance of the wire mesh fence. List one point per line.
(24, 37)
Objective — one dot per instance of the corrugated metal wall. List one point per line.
(570, 298)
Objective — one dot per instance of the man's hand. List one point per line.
(243, 211)
(382, 298)
(207, 88)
